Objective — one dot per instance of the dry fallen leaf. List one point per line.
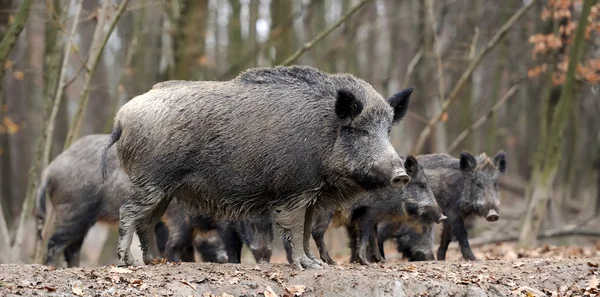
(77, 291)
(593, 283)
(270, 293)
(226, 295)
(136, 282)
(19, 75)
(50, 289)
(187, 283)
(590, 264)
(120, 270)
(296, 290)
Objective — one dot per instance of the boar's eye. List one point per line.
(354, 131)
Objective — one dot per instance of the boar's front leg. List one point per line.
(445, 241)
(460, 231)
(291, 223)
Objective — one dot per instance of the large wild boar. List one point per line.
(280, 141)
(465, 188)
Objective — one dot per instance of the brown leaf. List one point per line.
(202, 60)
(9, 64)
(10, 126)
(19, 75)
(50, 289)
(189, 284)
(269, 292)
(136, 282)
(11, 19)
(77, 291)
(590, 264)
(296, 290)
(444, 117)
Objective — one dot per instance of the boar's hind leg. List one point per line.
(319, 237)
(140, 212)
(374, 244)
(291, 222)
(308, 221)
(365, 229)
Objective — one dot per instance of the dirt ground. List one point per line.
(503, 271)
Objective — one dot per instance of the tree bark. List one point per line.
(189, 43)
(544, 175)
(5, 253)
(285, 44)
(235, 44)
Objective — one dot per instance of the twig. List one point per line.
(417, 117)
(307, 46)
(436, 46)
(411, 67)
(88, 78)
(467, 74)
(482, 120)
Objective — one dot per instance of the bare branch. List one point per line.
(88, 78)
(307, 46)
(482, 120)
(436, 46)
(467, 74)
(411, 67)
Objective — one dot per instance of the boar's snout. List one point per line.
(441, 218)
(492, 215)
(400, 179)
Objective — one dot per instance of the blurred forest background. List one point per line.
(512, 75)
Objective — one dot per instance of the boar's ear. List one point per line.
(467, 161)
(411, 166)
(347, 105)
(399, 102)
(500, 161)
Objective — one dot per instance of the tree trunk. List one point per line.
(4, 239)
(190, 42)
(285, 45)
(544, 175)
(235, 43)
(252, 36)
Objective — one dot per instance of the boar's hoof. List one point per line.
(306, 262)
(328, 260)
(127, 258)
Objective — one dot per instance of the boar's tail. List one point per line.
(115, 135)
(40, 206)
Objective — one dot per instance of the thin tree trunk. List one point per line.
(252, 36)
(189, 43)
(4, 239)
(544, 176)
(284, 46)
(235, 43)
(95, 55)
(51, 68)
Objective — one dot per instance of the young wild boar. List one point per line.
(465, 188)
(414, 204)
(73, 184)
(414, 240)
(272, 141)
(256, 233)
(186, 230)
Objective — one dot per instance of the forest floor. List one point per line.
(544, 271)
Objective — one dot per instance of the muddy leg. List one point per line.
(292, 226)
(374, 239)
(145, 230)
(73, 252)
(444, 242)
